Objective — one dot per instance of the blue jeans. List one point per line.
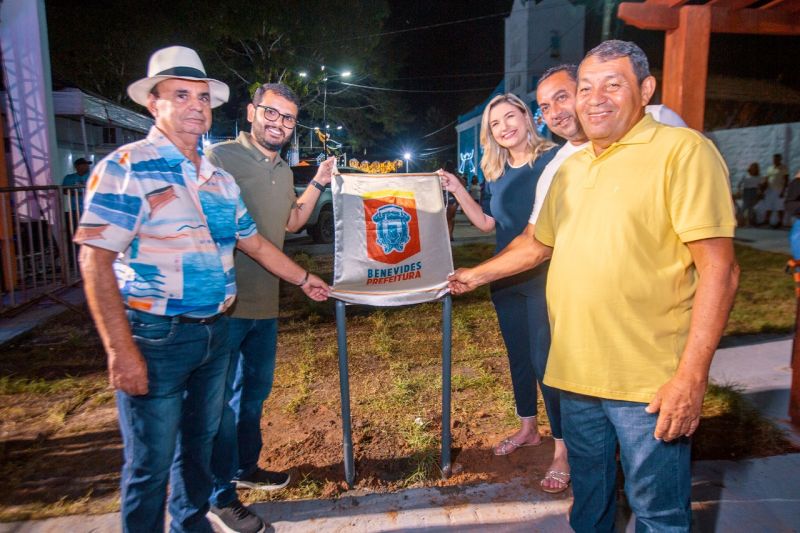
(168, 433)
(526, 331)
(657, 473)
(252, 367)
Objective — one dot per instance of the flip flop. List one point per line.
(561, 477)
(507, 446)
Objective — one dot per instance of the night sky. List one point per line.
(464, 56)
(469, 55)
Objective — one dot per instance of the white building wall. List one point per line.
(756, 144)
(540, 36)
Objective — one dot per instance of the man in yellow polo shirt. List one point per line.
(638, 227)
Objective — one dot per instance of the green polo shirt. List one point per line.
(268, 192)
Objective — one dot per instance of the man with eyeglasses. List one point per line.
(267, 188)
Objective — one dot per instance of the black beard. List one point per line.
(272, 147)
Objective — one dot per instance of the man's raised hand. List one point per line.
(325, 171)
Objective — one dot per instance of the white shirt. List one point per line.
(546, 178)
(661, 113)
(665, 115)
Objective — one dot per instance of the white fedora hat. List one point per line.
(176, 62)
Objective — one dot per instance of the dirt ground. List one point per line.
(61, 450)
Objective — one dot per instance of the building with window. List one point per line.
(91, 126)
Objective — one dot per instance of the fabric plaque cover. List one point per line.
(392, 246)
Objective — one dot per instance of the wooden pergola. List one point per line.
(689, 29)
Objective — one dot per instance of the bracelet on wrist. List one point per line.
(304, 281)
(318, 185)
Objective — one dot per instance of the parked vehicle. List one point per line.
(320, 223)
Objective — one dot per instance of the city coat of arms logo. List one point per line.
(392, 226)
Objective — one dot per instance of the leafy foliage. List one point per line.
(243, 43)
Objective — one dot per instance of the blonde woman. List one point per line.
(513, 159)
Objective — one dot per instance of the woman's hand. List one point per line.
(450, 182)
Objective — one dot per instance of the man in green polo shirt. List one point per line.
(267, 186)
(638, 227)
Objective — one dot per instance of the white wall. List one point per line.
(528, 33)
(743, 146)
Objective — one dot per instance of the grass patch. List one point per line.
(423, 462)
(731, 428)
(15, 385)
(309, 487)
(484, 381)
(765, 302)
(305, 372)
(86, 504)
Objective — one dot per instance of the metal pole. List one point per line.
(447, 344)
(794, 391)
(344, 386)
(608, 13)
(85, 142)
(325, 114)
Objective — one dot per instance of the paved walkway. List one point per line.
(727, 496)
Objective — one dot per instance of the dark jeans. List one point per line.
(526, 332)
(657, 473)
(250, 375)
(168, 433)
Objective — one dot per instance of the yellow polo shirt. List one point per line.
(621, 280)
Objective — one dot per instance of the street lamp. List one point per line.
(345, 74)
(407, 157)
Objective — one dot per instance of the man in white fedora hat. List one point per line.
(158, 233)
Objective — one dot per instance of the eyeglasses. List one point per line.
(272, 114)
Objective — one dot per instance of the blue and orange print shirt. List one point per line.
(175, 230)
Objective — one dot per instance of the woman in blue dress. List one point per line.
(514, 156)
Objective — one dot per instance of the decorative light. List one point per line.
(346, 74)
(303, 74)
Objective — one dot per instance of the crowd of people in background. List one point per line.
(769, 199)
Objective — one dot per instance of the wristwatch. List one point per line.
(318, 185)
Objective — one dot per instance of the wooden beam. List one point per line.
(732, 5)
(686, 64)
(7, 249)
(789, 6)
(669, 3)
(650, 16)
(794, 391)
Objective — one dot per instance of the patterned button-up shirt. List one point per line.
(175, 230)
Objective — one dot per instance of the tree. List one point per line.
(265, 42)
(243, 43)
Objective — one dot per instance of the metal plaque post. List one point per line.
(344, 385)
